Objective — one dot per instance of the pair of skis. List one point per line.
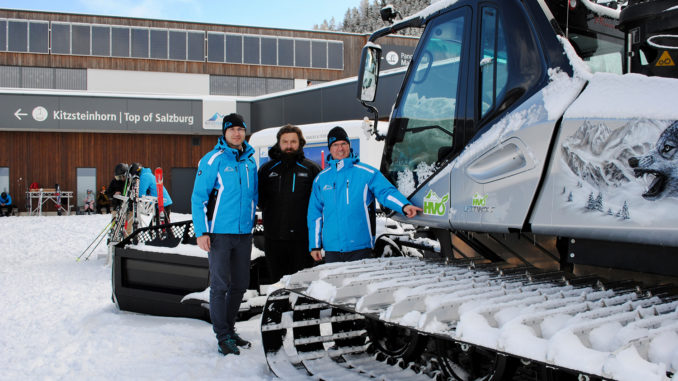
(162, 216)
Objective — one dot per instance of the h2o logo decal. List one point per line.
(434, 205)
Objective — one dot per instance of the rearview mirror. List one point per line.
(369, 72)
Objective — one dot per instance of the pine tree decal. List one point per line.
(609, 212)
(569, 197)
(599, 202)
(624, 213)
(591, 203)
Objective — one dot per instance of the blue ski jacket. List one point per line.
(225, 191)
(338, 216)
(6, 200)
(148, 187)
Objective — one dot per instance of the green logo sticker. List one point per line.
(479, 200)
(434, 205)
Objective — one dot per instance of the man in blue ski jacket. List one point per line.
(223, 205)
(338, 211)
(149, 187)
(5, 204)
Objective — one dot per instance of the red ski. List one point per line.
(161, 204)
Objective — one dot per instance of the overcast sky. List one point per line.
(290, 14)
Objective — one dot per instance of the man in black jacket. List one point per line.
(285, 184)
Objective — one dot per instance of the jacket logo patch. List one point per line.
(273, 174)
(199, 173)
(229, 169)
(328, 187)
(303, 174)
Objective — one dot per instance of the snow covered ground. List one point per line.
(58, 321)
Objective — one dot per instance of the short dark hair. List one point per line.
(291, 128)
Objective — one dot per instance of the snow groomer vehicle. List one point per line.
(540, 139)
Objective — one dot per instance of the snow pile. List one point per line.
(59, 322)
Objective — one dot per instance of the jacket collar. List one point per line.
(247, 151)
(348, 162)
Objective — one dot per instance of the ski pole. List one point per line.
(94, 240)
(95, 247)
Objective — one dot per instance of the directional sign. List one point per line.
(19, 114)
(101, 114)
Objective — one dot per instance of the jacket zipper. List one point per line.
(346, 191)
(294, 180)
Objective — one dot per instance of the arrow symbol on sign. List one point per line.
(19, 114)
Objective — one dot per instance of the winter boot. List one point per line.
(228, 346)
(239, 341)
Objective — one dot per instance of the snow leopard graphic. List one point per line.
(662, 163)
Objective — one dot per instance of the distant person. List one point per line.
(148, 186)
(5, 204)
(117, 185)
(338, 218)
(88, 206)
(223, 206)
(103, 201)
(285, 184)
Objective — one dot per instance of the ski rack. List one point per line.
(157, 282)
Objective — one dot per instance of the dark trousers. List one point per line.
(100, 207)
(6, 210)
(356, 255)
(285, 257)
(229, 261)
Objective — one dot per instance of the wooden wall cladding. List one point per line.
(49, 158)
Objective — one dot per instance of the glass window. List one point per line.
(3, 35)
(285, 52)
(425, 116)
(159, 43)
(80, 39)
(250, 50)
(302, 53)
(233, 48)
(493, 61)
(215, 47)
(17, 36)
(269, 51)
(177, 45)
(86, 178)
(196, 46)
(61, 38)
(119, 42)
(4, 183)
(139, 43)
(38, 37)
(335, 55)
(101, 40)
(319, 54)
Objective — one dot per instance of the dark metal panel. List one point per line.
(233, 48)
(3, 35)
(269, 51)
(302, 53)
(251, 50)
(285, 52)
(182, 188)
(10, 76)
(70, 79)
(37, 77)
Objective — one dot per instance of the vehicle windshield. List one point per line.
(425, 116)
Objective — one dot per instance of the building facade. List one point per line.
(81, 93)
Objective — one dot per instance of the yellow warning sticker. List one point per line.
(665, 60)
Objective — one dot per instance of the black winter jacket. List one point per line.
(285, 184)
